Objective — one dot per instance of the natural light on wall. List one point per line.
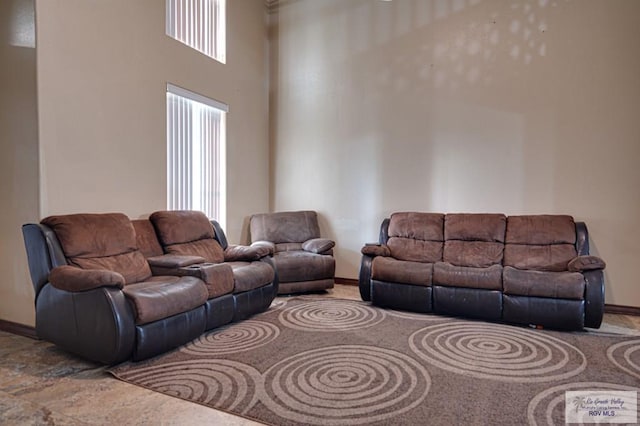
(196, 153)
(199, 24)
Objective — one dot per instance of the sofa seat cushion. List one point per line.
(401, 271)
(251, 275)
(303, 266)
(557, 285)
(164, 296)
(448, 275)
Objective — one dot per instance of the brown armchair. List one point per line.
(303, 259)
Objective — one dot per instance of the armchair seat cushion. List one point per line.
(557, 285)
(251, 275)
(448, 275)
(164, 296)
(303, 266)
(402, 271)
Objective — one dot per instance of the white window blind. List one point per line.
(196, 153)
(199, 24)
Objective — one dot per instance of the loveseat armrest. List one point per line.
(593, 298)
(250, 253)
(375, 249)
(174, 261)
(586, 263)
(318, 245)
(74, 279)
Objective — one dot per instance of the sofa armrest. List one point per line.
(586, 263)
(73, 279)
(247, 253)
(593, 298)
(318, 245)
(374, 249)
(174, 261)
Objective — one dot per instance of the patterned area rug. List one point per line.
(319, 361)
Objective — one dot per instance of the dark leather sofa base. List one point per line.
(94, 327)
(253, 301)
(219, 311)
(469, 302)
(561, 314)
(405, 297)
(160, 336)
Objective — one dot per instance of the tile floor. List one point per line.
(42, 385)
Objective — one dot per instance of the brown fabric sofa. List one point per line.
(106, 290)
(303, 259)
(533, 270)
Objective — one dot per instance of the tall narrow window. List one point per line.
(199, 24)
(196, 153)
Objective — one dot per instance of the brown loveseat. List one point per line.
(109, 289)
(303, 259)
(533, 270)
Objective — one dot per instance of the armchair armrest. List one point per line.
(250, 253)
(266, 244)
(375, 249)
(318, 245)
(586, 263)
(174, 261)
(73, 279)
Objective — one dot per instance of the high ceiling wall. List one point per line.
(519, 107)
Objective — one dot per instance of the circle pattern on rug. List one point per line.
(499, 352)
(345, 385)
(626, 356)
(330, 315)
(221, 383)
(417, 316)
(548, 407)
(234, 338)
(277, 304)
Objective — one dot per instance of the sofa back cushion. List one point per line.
(100, 241)
(285, 227)
(540, 242)
(416, 237)
(146, 238)
(187, 232)
(474, 240)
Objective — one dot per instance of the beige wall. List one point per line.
(470, 106)
(102, 73)
(18, 154)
